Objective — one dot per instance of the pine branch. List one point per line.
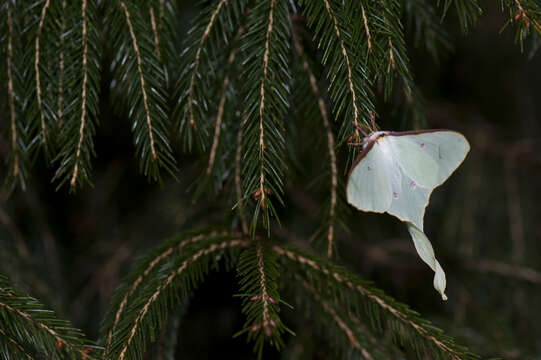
(266, 78)
(346, 289)
(141, 80)
(213, 30)
(82, 50)
(177, 277)
(258, 272)
(32, 329)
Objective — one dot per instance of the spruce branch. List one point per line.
(338, 36)
(238, 182)
(139, 78)
(61, 66)
(354, 341)
(221, 107)
(211, 33)
(42, 29)
(258, 272)
(15, 71)
(11, 100)
(155, 30)
(13, 346)
(36, 69)
(81, 48)
(266, 77)
(176, 277)
(148, 265)
(525, 14)
(428, 31)
(27, 323)
(399, 316)
(347, 63)
(330, 142)
(467, 10)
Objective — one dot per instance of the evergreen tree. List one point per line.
(243, 111)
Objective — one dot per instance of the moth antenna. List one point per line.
(373, 120)
(360, 143)
(360, 129)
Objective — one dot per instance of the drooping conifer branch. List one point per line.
(337, 319)
(61, 65)
(262, 145)
(238, 182)
(221, 106)
(141, 78)
(29, 317)
(264, 296)
(391, 54)
(367, 30)
(330, 141)
(84, 46)
(11, 98)
(139, 280)
(402, 314)
(172, 277)
(191, 97)
(347, 63)
(36, 69)
(16, 344)
(154, 30)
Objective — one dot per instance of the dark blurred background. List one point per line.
(71, 250)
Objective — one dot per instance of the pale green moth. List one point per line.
(396, 173)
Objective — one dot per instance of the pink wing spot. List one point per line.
(395, 195)
(369, 168)
(422, 145)
(413, 185)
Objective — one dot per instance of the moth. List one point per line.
(396, 172)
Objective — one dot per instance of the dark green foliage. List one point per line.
(161, 280)
(139, 76)
(266, 79)
(205, 45)
(28, 330)
(467, 10)
(79, 53)
(258, 273)
(362, 300)
(14, 61)
(268, 93)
